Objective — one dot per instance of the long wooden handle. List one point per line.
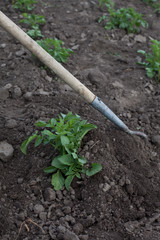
(44, 57)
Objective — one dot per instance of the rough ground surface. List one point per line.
(123, 200)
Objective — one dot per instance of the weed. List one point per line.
(65, 135)
(152, 60)
(24, 5)
(53, 47)
(124, 18)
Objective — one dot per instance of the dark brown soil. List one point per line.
(123, 200)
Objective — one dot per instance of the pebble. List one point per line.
(6, 151)
(43, 216)
(20, 52)
(49, 194)
(38, 208)
(106, 187)
(17, 92)
(28, 96)
(83, 237)
(59, 195)
(156, 140)
(78, 228)
(3, 45)
(11, 123)
(20, 180)
(49, 79)
(139, 38)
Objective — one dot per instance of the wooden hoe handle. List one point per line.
(46, 58)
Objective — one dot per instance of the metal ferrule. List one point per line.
(106, 111)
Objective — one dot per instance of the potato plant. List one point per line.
(123, 18)
(152, 60)
(55, 49)
(24, 5)
(65, 135)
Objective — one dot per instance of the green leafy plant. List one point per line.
(153, 3)
(106, 2)
(65, 134)
(24, 5)
(33, 21)
(152, 60)
(35, 32)
(53, 47)
(124, 18)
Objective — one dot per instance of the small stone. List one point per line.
(21, 216)
(6, 151)
(67, 210)
(78, 228)
(17, 92)
(38, 208)
(3, 45)
(49, 79)
(20, 52)
(140, 39)
(59, 195)
(20, 180)
(49, 194)
(11, 123)
(106, 187)
(156, 140)
(28, 96)
(83, 237)
(70, 235)
(43, 216)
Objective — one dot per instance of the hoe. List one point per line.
(65, 75)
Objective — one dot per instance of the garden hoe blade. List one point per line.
(65, 75)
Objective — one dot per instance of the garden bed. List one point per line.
(123, 200)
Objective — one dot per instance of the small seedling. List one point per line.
(65, 135)
(123, 18)
(53, 47)
(24, 5)
(33, 21)
(35, 32)
(105, 2)
(152, 60)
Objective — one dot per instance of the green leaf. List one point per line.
(66, 159)
(26, 142)
(56, 163)
(64, 140)
(96, 167)
(38, 141)
(68, 181)
(50, 169)
(40, 124)
(82, 160)
(142, 52)
(57, 181)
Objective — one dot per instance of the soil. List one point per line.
(123, 200)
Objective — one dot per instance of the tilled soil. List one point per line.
(123, 200)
